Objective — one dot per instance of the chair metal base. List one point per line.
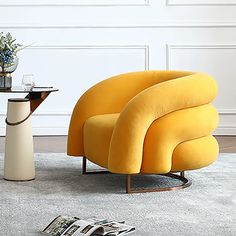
(185, 182)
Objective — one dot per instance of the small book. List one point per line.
(68, 225)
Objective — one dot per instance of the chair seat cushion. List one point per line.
(97, 135)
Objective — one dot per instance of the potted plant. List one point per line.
(8, 59)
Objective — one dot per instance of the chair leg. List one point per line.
(84, 166)
(128, 183)
(85, 172)
(185, 183)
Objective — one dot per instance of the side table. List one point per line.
(19, 155)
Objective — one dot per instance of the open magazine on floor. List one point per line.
(68, 225)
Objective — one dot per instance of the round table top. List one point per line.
(36, 89)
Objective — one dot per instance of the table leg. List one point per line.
(36, 98)
(19, 155)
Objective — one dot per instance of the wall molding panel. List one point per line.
(227, 124)
(170, 47)
(79, 3)
(145, 49)
(200, 2)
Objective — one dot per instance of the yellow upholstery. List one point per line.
(149, 122)
(97, 136)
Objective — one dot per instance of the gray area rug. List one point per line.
(208, 207)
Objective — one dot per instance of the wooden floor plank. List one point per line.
(57, 144)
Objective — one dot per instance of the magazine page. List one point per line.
(111, 228)
(83, 228)
(59, 225)
(115, 228)
(107, 229)
(122, 229)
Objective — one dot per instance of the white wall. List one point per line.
(80, 42)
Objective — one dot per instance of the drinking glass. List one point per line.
(27, 82)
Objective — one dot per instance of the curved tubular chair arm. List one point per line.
(168, 132)
(126, 148)
(110, 96)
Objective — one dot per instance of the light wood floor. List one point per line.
(227, 144)
(57, 144)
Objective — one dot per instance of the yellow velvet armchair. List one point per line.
(149, 122)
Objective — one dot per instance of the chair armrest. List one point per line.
(126, 148)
